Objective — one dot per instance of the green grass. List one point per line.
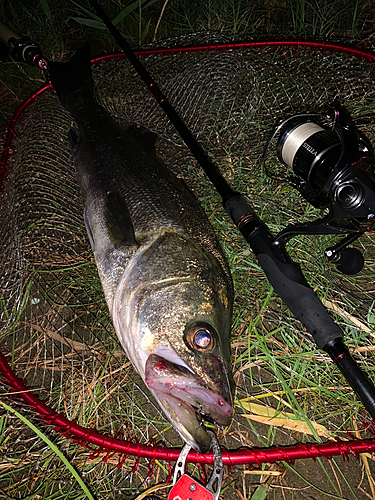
(53, 447)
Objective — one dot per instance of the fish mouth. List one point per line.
(186, 399)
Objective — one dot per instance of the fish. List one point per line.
(165, 279)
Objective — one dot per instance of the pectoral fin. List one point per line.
(88, 230)
(118, 221)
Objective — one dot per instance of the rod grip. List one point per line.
(284, 275)
(301, 300)
(289, 283)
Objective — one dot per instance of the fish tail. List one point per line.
(73, 77)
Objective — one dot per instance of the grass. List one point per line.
(53, 447)
(283, 381)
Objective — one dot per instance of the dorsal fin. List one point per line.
(118, 221)
(143, 135)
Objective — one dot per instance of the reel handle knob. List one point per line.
(349, 261)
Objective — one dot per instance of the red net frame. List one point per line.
(109, 445)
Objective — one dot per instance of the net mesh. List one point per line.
(55, 324)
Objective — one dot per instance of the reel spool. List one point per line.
(332, 165)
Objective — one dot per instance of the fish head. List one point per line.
(187, 367)
(176, 331)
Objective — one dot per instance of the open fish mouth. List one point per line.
(188, 399)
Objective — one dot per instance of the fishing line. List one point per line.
(295, 138)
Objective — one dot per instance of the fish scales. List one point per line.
(163, 273)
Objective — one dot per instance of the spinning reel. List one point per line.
(332, 165)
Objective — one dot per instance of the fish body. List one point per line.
(166, 283)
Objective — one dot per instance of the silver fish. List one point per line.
(165, 280)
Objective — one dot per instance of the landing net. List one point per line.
(55, 327)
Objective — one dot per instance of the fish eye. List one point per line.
(201, 337)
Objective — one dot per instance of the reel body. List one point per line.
(332, 165)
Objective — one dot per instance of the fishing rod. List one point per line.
(285, 276)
